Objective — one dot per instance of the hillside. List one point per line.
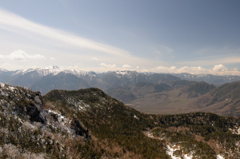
(90, 124)
(129, 93)
(196, 89)
(221, 100)
(124, 126)
(165, 98)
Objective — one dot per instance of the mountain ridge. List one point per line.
(221, 100)
(104, 81)
(99, 126)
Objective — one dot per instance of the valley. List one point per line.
(151, 93)
(160, 116)
(168, 102)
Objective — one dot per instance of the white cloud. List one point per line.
(193, 70)
(61, 44)
(163, 69)
(52, 58)
(218, 68)
(108, 65)
(126, 66)
(209, 57)
(20, 55)
(17, 24)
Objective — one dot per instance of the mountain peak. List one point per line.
(52, 68)
(3, 70)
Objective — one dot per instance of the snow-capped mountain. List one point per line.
(54, 77)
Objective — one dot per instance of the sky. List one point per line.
(163, 36)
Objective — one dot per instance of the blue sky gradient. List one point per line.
(156, 35)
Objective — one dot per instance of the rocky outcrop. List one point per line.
(79, 130)
(23, 101)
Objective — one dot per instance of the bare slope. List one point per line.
(224, 100)
(165, 98)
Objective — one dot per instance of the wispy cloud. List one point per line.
(61, 44)
(209, 56)
(21, 55)
(14, 23)
(164, 49)
(163, 52)
(212, 61)
(216, 52)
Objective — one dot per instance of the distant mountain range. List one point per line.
(146, 92)
(50, 78)
(45, 80)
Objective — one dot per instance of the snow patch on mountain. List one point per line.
(52, 68)
(2, 85)
(76, 72)
(61, 122)
(121, 72)
(3, 70)
(171, 149)
(81, 105)
(220, 157)
(4, 89)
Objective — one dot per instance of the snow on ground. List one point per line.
(235, 130)
(187, 156)
(170, 151)
(81, 105)
(6, 87)
(11, 88)
(63, 121)
(220, 157)
(2, 85)
(150, 135)
(60, 117)
(136, 117)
